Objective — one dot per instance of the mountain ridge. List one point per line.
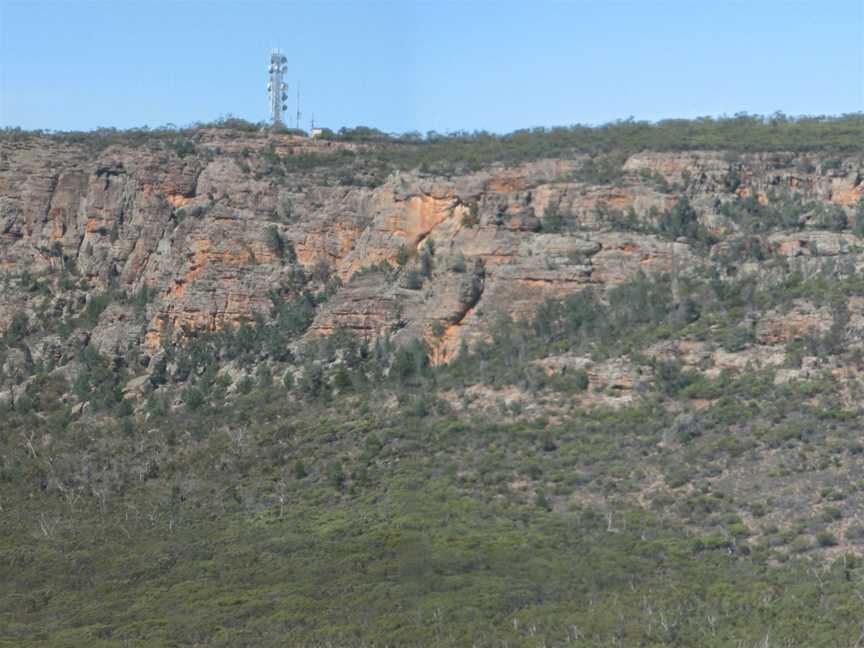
(258, 389)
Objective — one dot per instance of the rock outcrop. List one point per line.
(206, 238)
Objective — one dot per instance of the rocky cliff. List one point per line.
(209, 231)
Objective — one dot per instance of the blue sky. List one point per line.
(426, 66)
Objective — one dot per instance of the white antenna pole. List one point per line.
(298, 105)
(276, 87)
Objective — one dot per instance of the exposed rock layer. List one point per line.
(197, 232)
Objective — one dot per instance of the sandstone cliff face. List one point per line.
(197, 233)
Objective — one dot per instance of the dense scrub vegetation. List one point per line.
(239, 525)
(742, 132)
(350, 497)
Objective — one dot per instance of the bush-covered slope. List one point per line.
(381, 511)
(259, 391)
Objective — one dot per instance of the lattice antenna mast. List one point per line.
(277, 89)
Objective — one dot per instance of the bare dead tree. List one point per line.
(28, 442)
(101, 495)
(71, 496)
(860, 642)
(237, 437)
(281, 496)
(711, 620)
(48, 526)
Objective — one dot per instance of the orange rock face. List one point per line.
(848, 196)
(209, 235)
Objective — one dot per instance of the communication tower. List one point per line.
(277, 89)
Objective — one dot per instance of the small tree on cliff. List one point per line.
(859, 218)
(413, 280)
(275, 242)
(402, 256)
(552, 221)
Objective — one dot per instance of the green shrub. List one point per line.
(402, 256)
(826, 539)
(831, 514)
(336, 475)
(832, 217)
(683, 221)
(602, 169)
(855, 534)
(426, 264)
(412, 280)
(580, 379)
(193, 398)
(830, 165)
(264, 376)
(552, 221)
(274, 241)
(17, 329)
(737, 338)
(541, 501)
(472, 218)
(801, 544)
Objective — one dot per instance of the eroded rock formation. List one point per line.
(206, 234)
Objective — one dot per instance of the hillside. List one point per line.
(591, 388)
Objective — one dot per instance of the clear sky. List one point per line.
(426, 66)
